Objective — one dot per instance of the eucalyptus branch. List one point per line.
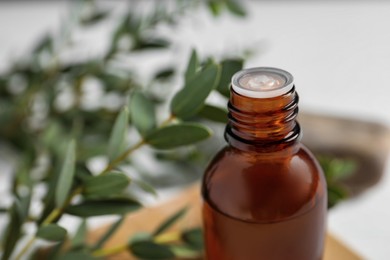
(54, 214)
(25, 248)
(57, 212)
(42, 77)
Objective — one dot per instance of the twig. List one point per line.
(123, 156)
(25, 248)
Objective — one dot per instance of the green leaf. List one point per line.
(23, 206)
(177, 135)
(229, 68)
(103, 207)
(23, 175)
(140, 236)
(80, 236)
(91, 148)
(336, 193)
(336, 169)
(94, 18)
(54, 137)
(77, 255)
(45, 44)
(113, 82)
(170, 221)
(142, 113)
(184, 251)
(157, 43)
(192, 67)
(236, 8)
(146, 187)
(82, 173)
(189, 100)
(53, 252)
(193, 238)
(165, 74)
(117, 142)
(122, 29)
(103, 239)
(106, 185)
(12, 233)
(52, 232)
(65, 180)
(150, 250)
(215, 7)
(213, 113)
(342, 168)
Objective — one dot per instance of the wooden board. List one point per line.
(149, 218)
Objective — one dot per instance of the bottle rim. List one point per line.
(262, 93)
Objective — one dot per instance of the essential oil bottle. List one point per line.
(264, 194)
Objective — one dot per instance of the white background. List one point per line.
(338, 52)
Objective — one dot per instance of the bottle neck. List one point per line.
(265, 124)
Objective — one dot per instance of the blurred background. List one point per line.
(338, 52)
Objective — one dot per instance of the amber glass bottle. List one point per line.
(264, 193)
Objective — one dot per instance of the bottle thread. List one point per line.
(263, 122)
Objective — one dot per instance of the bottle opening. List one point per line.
(262, 82)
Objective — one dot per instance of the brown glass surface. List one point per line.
(264, 194)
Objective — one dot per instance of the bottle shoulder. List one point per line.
(257, 186)
(230, 159)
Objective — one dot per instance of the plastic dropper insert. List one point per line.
(262, 82)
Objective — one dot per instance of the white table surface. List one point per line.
(339, 54)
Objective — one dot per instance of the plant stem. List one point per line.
(168, 120)
(54, 214)
(123, 156)
(25, 248)
(58, 211)
(109, 251)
